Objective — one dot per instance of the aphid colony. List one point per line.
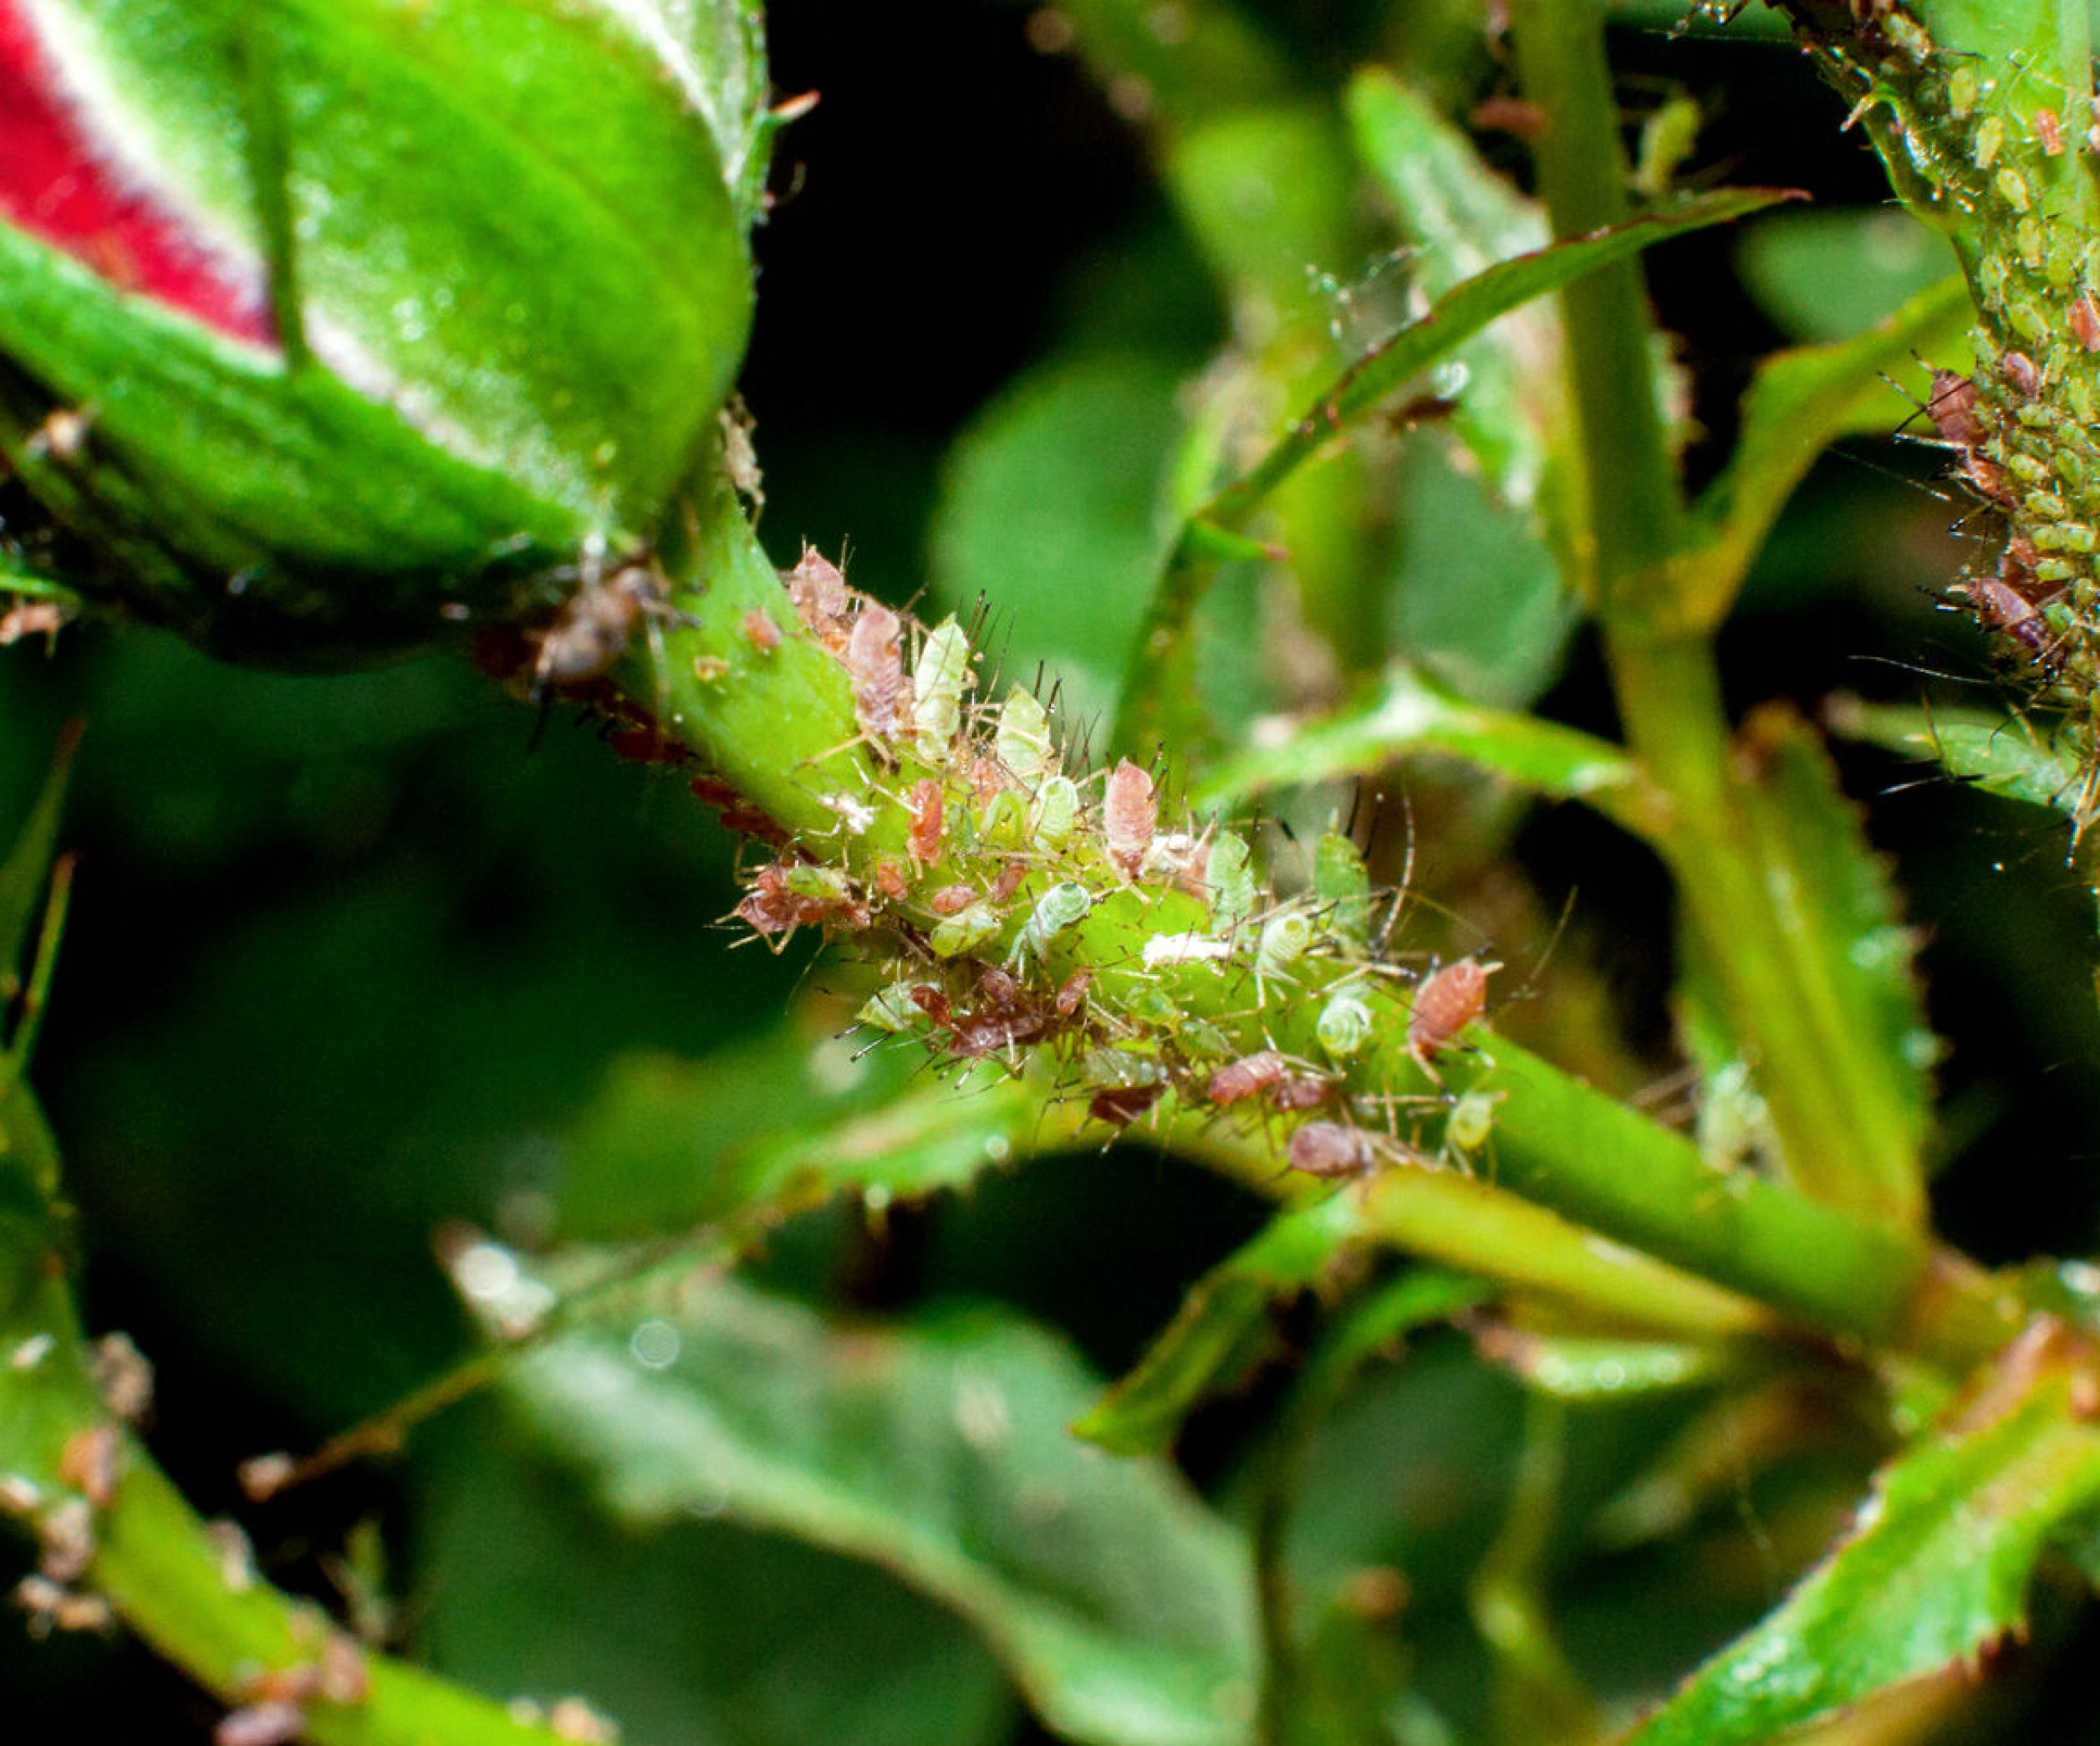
(1015, 908)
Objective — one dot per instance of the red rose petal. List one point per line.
(53, 186)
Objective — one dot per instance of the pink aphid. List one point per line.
(2085, 322)
(928, 811)
(1448, 1001)
(1952, 409)
(1129, 815)
(1247, 1075)
(760, 632)
(1072, 994)
(952, 900)
(818, 590)
(1330, 1149)
(2050, 131)
(875, 658)
(1300, 1091)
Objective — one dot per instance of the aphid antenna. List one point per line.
(1922, 670)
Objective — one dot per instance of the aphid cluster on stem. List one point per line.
(1018, 912)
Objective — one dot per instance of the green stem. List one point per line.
(1843, 1143)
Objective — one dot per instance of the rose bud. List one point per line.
(333, 330)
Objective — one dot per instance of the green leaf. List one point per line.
(1221, 1327)
(2001, 755)
(1799, 403)
(1852, 964)
(1050, 509)
(764, 1129)
(1828, 273)
(1935, 1573)
(705, 1633)
(1380, 371)
(1405, 711)
(939, 1450)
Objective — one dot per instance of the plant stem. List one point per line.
(1842, 1143)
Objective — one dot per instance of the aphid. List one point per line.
(1119, 1105)
(1063, 905)
(53, 1606)
(1472, 1120)
(1005, 823)
(1229, 874)
(938, 682)
(1185, 948)
(818, 590)
(1011, 876)
(1283, 942)
(2084, 321)
(88, 1463)
(1343, 886)
(1118, 1069)
(1447, 1002)
(260, 1724)
(61, 436)
(1021, 740)
(2019, 369)
(31, 618)
(890, 1009)
(964, 931)
(890, 877)
(951, 900)
(1247, 1075)
(65, 1536)
(875, 658)
(2001, 608)
(593, 628)
(1073, 992)
(928, 803)
(1952, 408)
(2050, 131)
(784, 898)
(760, 630)
(1009, 1018)
(1344, 1026)
(1129, 815)
(1056, 810)
(1330, 1149)
(1300, 1091)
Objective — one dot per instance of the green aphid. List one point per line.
(1155, 1006)
(890, 1009)
(1344, 1026)
(1284, 941)
(1057, 812)
(1023, 739)
(1200, 1037)
(807, 879)
(1063, 905)
(938, 683)
(1343, 888)
(1230, 876)
(1119, 1069)
(1472, 1120)
(964, 931)
(1004, 824)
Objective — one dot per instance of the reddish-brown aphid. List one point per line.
(2050, 131)
(2000, 606)
(1129, 815)
(1011, 874)
(928, 813)
(2085, 322)
(772, 906)
(1072, 993)
(31, 618)
(821, 597)
(88, 1463)
(1446, 1003)
(1509, 115)
(952, 900)
(875, 658)
(592, 629)
(2019, 369)
(1300, 1091)
(737, 813)
(1247, 1075)
(646, 746)
(1330, 1149)
(1119, 1105)
(760, 631)
(1952, 408)
(891, 878)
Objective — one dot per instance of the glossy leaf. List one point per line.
(1379, 373)
(1222, 1327)
(1799, 403)
(1935, 1572)
(1122, 1608)
(1403, 712)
